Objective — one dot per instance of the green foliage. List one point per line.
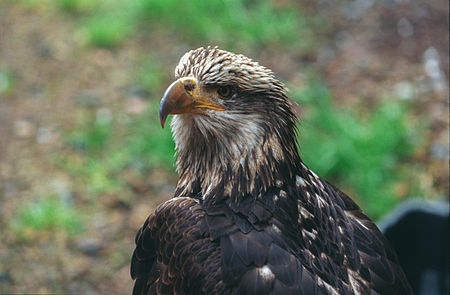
(107, 148)
(149, 144)
(47, 214)
(92, 136)
(108, 23)
(77, 6)
(151, 76)
(6, 80)
(361, 152)
(105, 152)
(107, 29)
(255, 22)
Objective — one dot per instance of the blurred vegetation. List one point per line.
(253, 22)
(107, 23)
(46, 215)
(107, 149)
(361, 154)
(6, 80)
(364, 153)
(77, 6)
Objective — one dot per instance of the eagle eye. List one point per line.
(189, 88)
(225, 91)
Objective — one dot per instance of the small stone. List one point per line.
(404, 90)
(62, 189)
(43, 135)
(439, 151)
(44, 50)
(104, 116)
(405, 28)
(87, 99)
(4, 277)
(90, 247)
(343, 40)
(137, 91)
(24, 128)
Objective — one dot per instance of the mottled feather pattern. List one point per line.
(248, 217)
(218, 67)
(343, 243)
(172, 252)
(254, 248)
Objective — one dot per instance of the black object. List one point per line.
(419, 232)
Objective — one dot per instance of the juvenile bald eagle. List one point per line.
(248, 216)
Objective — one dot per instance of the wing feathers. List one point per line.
(278, 244)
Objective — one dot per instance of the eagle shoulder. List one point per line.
(171, 250)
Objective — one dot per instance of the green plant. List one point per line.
(6, 80)
(104, 152)
(151, 76)
(150, 143)
(77, 6)
(364, 153)
(226, 22)
(253, 22)
(107, 29)
(47, 214)
(105, 149)
(91, 136)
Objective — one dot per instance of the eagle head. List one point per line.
(232, 117)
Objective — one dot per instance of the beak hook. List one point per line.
(174, 101)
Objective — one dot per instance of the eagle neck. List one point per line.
(213, 168)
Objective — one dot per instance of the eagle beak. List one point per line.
(183, 96)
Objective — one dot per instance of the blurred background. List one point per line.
(83, 159)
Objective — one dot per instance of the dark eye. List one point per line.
(189, 87)
(225, 91)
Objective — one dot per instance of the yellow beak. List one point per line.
(182, 96)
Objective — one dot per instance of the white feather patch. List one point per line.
(265, 273)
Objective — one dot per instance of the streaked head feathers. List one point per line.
(213, 66)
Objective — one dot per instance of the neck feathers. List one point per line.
(220, 158)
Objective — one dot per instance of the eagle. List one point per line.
(248, 216)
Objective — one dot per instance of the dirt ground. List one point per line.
(369, 50)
